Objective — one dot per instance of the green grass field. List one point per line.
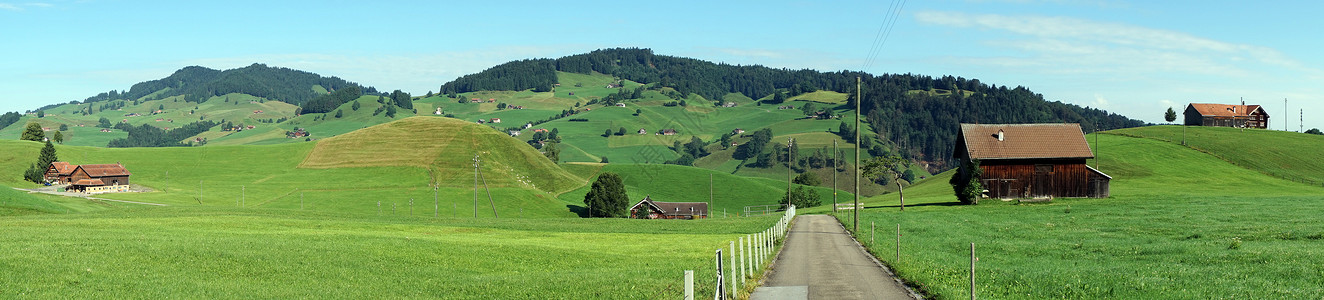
(261, 253)
(1180, 224)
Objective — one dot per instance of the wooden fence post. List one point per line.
(734, 282)
(972, 271)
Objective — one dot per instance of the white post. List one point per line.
(750, 238)
(689, 284)
(734, 283)
(742, 259)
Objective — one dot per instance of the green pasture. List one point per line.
(1180, 224)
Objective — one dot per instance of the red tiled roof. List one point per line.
(1025, 141)
(89, 182)
(105, 170)
(64, 168)
(1224, 110)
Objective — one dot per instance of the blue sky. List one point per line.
(1135, 58)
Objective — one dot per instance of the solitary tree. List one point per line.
(891, 166)
(802, 197)
(58, 137)
(607, 199)
(1171, 115)
(47, 156)
(32, 132)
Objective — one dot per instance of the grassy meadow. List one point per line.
(1180, 224)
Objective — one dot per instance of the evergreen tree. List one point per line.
(807, 178)
(965, 183)
(552, 152)
(390, 111)
(34, 174)
(1170, 115)
(356, 105)
(47, 156)
(607, 198)
(33, 132)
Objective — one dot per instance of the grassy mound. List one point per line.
(446, 147)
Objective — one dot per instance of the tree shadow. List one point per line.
(582, 211)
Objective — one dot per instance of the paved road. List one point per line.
(820, 257)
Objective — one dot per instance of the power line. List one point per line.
(884, 32)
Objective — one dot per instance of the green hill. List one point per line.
(1288, 155)
(672, 183)
(1176, 216)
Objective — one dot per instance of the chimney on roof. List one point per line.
(1002, 135)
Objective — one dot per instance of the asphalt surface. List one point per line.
(821, 256)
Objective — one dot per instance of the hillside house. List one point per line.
(99, 178)
(650, 209)
(620, 104)
(257, 112)
(667, 132)
(495, 120)
(491, 100)
(438, 112)
(514, 132)
(729, 104)
(1031, 160)
(738, 131)
(59, 172)
(1226, 115)
(643, 131)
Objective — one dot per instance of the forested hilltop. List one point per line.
(197, 84)
(918, 114)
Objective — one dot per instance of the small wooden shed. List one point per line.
(1031, 160)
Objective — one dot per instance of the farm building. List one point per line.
(98, 178)
(1226, 115)
(1031, 160)
(59, 172)
(669, 210)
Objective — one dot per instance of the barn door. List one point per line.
(1043, 180)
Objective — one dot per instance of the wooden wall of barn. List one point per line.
(1030, 178)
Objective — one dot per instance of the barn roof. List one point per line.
(89, 182)
(64, 168)
(1021, 141)
(104, 170)
(1225, 110)
(675, 208)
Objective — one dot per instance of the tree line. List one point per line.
(197, 84)
(149, 136)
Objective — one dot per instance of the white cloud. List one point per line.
(11, 7)
(1112, 47)
(1099, 102)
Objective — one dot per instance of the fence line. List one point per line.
(754, 251)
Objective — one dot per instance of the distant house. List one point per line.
(738, 131)
(729, 104)
(1031, 160)
(527, 125)
(1226, 115)
(643, 131)
(649, 209)
(540, 130)
(491, 100)
(495, 120)
(667, 132)
(100, 178)
(514, 133)
(438, 112)
(257, 111)
(620, 104)
(105, 130)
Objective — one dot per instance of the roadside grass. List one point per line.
(237, 253)
(1179, 224)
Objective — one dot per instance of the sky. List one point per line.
(1135, 58)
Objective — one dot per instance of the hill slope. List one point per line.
(1288, 155)
(446, 147)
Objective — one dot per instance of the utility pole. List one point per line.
(788, 170)
(710, 189)
(856, 208)
(475, 186)
(834, 176)
(167, 185)
(199, 192)
(1285, 115)
(436, 208)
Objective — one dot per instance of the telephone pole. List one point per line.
(788, 170)
(475, 186)
(858, 99)
(834, 176)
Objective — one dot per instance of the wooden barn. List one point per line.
(668, 210)
(1031, 160)
(88, 176)
(59, 172)
(1226, 115)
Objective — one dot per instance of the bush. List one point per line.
(802, 197)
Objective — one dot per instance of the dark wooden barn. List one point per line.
(1031, 160)
(85, 176)
(1226, 115)
(649, 209)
